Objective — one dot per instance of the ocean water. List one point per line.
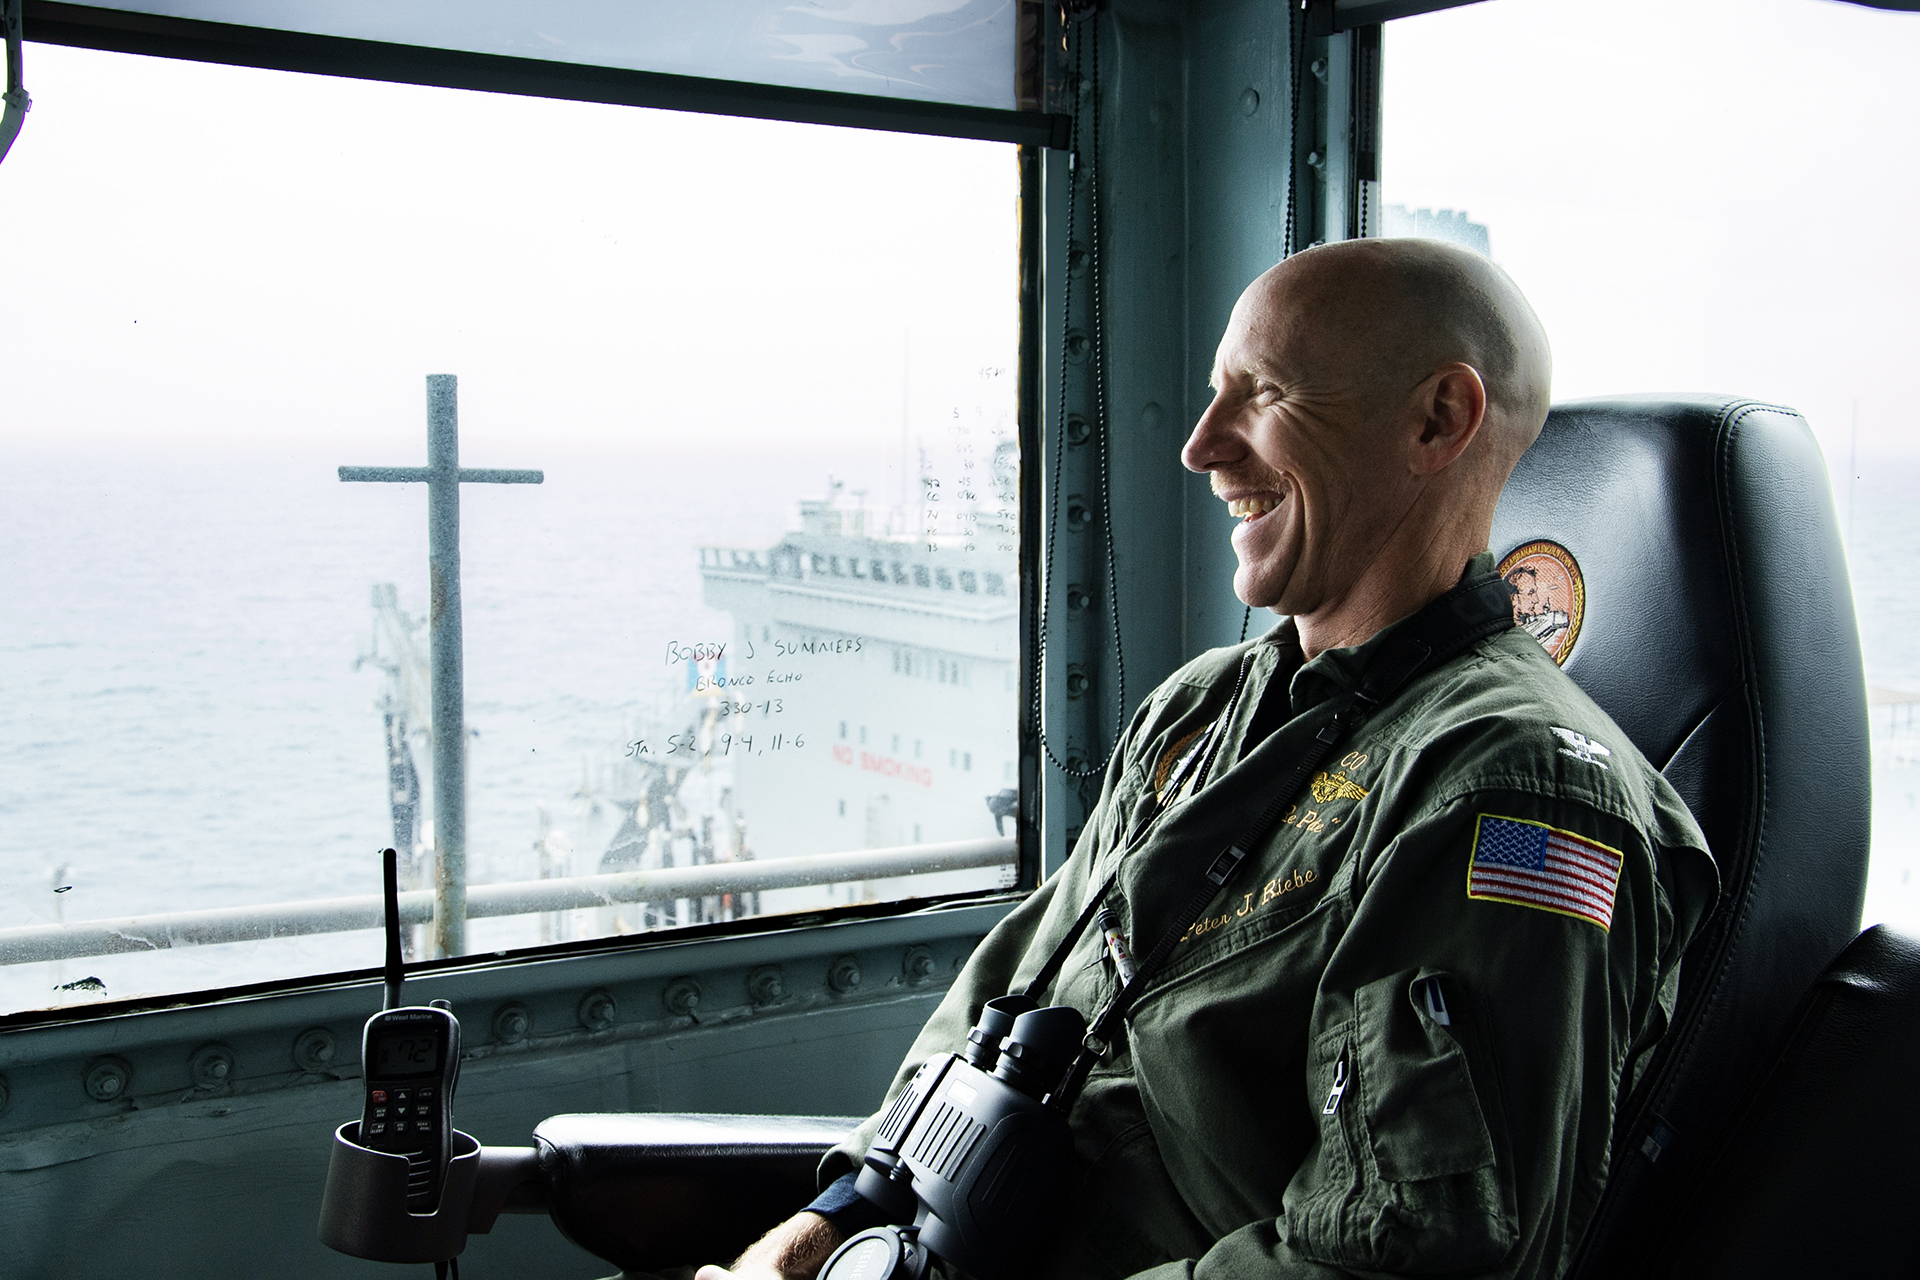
(1883, 536)
(185, 726)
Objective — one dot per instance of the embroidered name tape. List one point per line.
(1534, 865)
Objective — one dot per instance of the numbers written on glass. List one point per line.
(777, 742)
(767, 707)
(724, 744)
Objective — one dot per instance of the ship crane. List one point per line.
(668, 818)
(406, 709)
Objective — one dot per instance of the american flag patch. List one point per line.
(1535, 865)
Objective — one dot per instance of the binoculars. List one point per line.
(970, 1158)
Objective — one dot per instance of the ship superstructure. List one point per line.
(870, 683)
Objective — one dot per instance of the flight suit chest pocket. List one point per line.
(1405, 1178)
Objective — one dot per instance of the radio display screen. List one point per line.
(406, 1053)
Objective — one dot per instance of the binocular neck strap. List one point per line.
(1475, 609)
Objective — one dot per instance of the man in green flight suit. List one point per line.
(1393, 1043)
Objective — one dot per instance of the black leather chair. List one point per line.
(1717, 630)
(1719, 634)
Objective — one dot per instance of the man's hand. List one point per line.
(794, 1250)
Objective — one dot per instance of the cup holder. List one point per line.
(364, 1210)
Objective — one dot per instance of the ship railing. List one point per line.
(158, 932)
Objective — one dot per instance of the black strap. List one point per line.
(1198, 761)
(1467, 614)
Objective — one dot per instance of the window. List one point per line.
(738, 350)
(1681, 223)
(959, 51)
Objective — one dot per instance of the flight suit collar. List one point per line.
(1219, 803)
(1337, 671)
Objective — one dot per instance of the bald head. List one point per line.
(1372, 397)
(1391, 312)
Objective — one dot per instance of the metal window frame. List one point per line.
(121, 31)
(1337, 147)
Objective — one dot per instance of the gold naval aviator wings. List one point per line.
(1328, 787)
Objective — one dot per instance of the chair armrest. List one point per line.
(507, 1181)
(649, 1191)
(1815, 1176)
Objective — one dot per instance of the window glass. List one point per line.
(762, 605)
(1691, 194)
(957, 51)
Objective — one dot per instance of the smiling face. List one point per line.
(1370, 399)
(1296, 445)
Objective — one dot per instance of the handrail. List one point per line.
(33, 943)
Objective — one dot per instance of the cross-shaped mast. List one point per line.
(443, 476)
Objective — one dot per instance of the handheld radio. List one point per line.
(410, 1062)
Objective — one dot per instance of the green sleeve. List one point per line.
(1466, 1135)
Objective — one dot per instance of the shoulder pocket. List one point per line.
(1404, 1178)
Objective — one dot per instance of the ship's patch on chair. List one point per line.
(1549, 595)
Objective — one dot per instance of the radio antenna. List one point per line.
(390, 872)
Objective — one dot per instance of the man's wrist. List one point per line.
(805, 1247)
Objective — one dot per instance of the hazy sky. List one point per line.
(1715, 195)
(1696, 194)
(250, 255)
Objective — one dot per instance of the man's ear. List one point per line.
(1450, 406)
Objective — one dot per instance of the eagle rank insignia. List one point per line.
(1581, 747)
